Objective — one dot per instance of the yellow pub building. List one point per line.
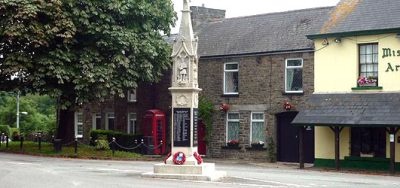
(355, 108)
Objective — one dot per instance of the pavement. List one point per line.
(20, 171)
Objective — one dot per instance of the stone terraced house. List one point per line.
(261, 67)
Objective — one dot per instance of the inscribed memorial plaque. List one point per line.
(182, 127)
(195, 120)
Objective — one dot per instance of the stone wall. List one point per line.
(261, 89)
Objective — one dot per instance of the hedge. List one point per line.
(123, 139)
(5, 129)
(14, 132)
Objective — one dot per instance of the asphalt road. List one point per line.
(20, 171)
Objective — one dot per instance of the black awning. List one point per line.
(353, 109)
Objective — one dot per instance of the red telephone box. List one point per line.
(154, 131)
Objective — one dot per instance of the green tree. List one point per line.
(35, 120)
(83, 50)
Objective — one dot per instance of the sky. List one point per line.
(235, 8)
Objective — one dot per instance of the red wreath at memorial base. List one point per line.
(179, 158)
(198, 158)
(166, 158)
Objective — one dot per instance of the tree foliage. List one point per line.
(40, 109)
(206, 111)
(83, 50)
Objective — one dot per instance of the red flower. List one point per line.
(287, 106)
(233, 141)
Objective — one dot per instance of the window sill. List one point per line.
(230, 95)
(367, 88)
(293, 93)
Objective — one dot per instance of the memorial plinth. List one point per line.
(204, 172)
(184, 161)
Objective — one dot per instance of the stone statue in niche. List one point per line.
(182, 71)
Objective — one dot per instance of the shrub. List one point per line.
(206, 111)
(123, 139)
(5, 129)
(271, 150)
(14, 132)
(102, 145)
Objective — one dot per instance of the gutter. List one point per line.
(354, 33)
(258, 53)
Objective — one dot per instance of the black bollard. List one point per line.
(40, 141)
(6, 142)
(113, 146)
(142, 148)
(76, 146)
(1, 139)
(21, 145)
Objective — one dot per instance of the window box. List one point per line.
(368, 85)
(367, 88)
(257, 146)
(233, 143)
(367, 82)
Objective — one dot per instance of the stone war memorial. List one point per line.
(184, 162)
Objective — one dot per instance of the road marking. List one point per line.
(268, 181)
(224, 183)
(243, 184)
(21, 163)
(113, 170)
(76, 183)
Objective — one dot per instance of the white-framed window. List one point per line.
(294, 75)
(78, 125)
(96, 121)
(132, 95)
(368, 60)
(110, 121)
(231, 78)
(132, 117)
(257, 127)
(232, 126)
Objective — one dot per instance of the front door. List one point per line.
(201, 136)
(288, 140)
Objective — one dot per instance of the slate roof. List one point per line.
(273, 32)
(374, 109)
(362, 15)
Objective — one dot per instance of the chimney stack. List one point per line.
(201, 16)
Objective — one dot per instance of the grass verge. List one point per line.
(84, 151)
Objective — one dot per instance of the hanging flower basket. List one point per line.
(224, 107)
(287, 106)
